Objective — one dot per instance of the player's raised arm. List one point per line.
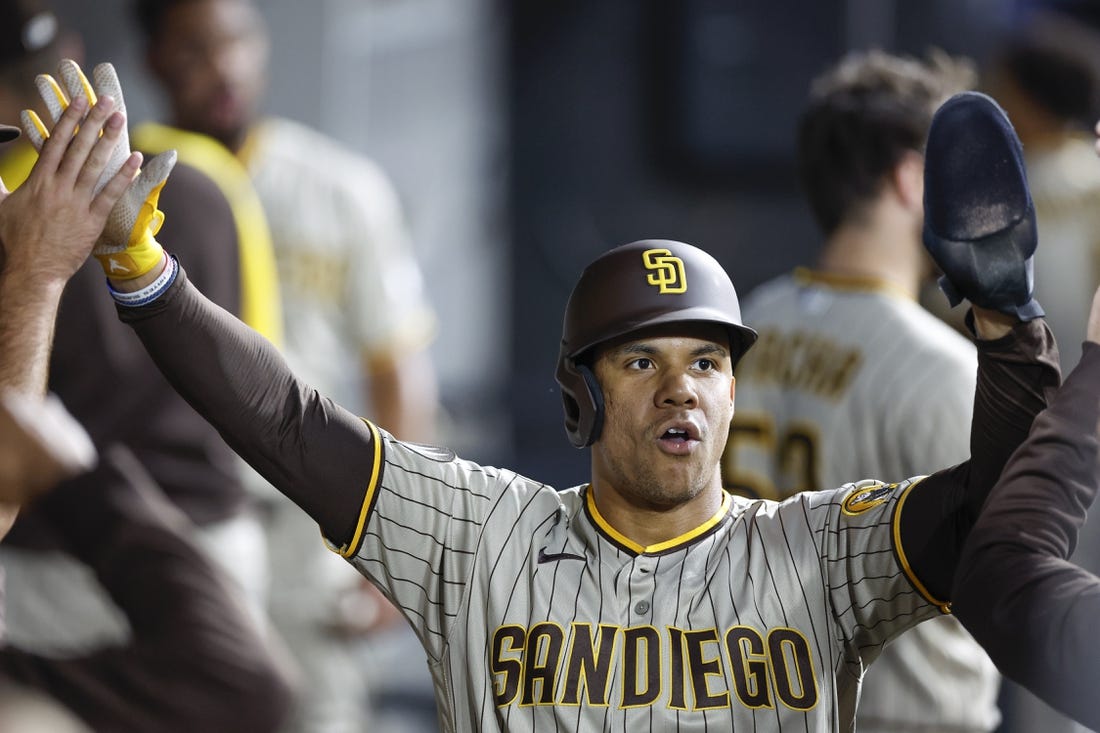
(233, 376)
(980, 229)
(1015, 590)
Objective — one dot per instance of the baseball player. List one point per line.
(194, 660)
(648, 598)
(819, 397)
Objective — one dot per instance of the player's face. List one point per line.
(211, 56)
(668, 396)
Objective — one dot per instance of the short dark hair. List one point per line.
(863, 115)
(1053, 61)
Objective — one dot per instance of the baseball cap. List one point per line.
(26, 27)
(7, 132)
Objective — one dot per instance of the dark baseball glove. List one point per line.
(979, 222)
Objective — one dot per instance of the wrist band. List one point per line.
(153, 290)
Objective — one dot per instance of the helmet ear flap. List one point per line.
(594, 409)
(583, 401)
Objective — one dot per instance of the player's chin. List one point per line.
(684, 477)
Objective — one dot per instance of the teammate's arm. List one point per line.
(1033, 611)
(195, 661)
(47, 228)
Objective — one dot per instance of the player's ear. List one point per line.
(908, 179)
(733, 388)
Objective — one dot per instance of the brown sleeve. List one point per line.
(1017, 377)
(102, 374)
(312, 450)
(195, 661)
(1033, 611)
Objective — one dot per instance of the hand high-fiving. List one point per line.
(127, 248)
(50, 224)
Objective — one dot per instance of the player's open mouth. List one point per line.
(678, 440)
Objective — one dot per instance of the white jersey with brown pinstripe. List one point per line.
(852, 379)
(537, 615)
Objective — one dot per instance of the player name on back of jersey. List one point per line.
(802, 361)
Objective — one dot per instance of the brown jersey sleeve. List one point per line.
(105, 379)
(1032, 610)
(1017, 377)
(195, 660)
(311, 449)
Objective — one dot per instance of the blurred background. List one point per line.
(525, 137)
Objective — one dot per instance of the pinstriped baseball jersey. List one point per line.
(537, 615)
(850, 379)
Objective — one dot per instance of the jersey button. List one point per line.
(641, 607)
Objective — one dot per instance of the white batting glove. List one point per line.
(127, 248)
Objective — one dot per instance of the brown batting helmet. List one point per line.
(628, 288)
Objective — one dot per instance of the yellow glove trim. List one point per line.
(38, 124)
(149, 219)
(88, 91)
(142, 252)
(133, 261)
(57, 91)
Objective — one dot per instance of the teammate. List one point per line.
(56, 606)
(357, 322)
(194, 661)
(821, 396)
(648, 599)
(40, 443)
(1045, 75)
(29, 292)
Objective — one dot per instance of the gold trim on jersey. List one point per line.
(944, 606)
(368, 498)
(603, 525)
(857, 283)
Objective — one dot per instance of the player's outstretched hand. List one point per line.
(127, 248)
(49, 225)
(979, 222)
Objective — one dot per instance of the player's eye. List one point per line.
(705, 365)
(642, 363)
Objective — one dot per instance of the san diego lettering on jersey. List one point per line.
(546, 664)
